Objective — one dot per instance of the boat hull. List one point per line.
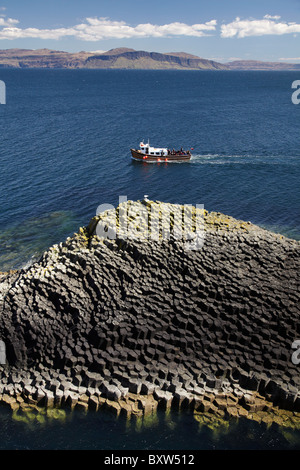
(138, 155)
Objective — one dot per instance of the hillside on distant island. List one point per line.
(259, 65)
(125, 58)
(120, 58)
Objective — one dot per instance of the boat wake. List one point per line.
(219, 159)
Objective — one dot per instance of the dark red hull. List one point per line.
(140, 156)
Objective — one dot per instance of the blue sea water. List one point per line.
(173, 431)
(66, 137)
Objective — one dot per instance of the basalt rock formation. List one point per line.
(138, 323)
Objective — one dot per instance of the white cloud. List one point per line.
(7, 21)
(289, 58)
(98, 51)
(270, 17)
(95, 29)
(251, 27)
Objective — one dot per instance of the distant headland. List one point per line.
(125, 58)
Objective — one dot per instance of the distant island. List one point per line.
(124, 58)
(259, 65)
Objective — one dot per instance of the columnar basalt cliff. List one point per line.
(133, 324)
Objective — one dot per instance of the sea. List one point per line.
(65, 149)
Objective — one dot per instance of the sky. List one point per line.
(222, 30)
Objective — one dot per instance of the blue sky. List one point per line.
(217, 29)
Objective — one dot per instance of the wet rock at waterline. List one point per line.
(136, 323)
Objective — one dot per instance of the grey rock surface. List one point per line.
(150, 317)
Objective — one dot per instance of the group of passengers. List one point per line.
(178, 152)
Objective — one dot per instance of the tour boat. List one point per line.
(149, 154)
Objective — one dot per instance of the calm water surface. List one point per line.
(174, 431)
(65, 149)
(66, 138)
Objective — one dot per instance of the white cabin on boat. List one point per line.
(148, 150)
